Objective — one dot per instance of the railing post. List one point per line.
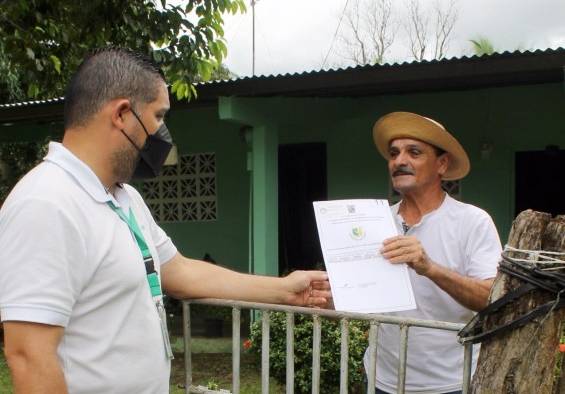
(236, 341)
(265, 325)
(289, 353)
(316, 342)
(344, 362)
(187, 346)
(375, 321)
(371, 374)
(403, 351)
(467, 363)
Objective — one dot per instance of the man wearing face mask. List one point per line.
(83, 264)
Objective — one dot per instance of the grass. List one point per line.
(211, 360)
(5, 380)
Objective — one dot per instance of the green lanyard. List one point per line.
(152, 278)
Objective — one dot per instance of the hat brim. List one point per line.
(409, 125)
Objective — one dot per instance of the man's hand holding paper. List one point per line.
(351, 234)
(406, 249)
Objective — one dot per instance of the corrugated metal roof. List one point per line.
(518, 67)
(33, 102)
(453, 59)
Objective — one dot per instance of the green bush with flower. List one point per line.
(329, 353)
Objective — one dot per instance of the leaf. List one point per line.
(193, 90)
(56, 63)
(216, 51)
(175, 85)
(38, 65)
(182, 90)
(32, 90)
(30, 53)
(206, 71)
(222, 47)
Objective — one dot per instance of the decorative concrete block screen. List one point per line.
(185, 192)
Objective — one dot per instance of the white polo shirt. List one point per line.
(67, 259)
(464, 239)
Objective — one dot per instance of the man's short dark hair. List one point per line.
(107, 74)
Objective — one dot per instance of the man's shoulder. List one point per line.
(46, 182)
(464, 210)
(44, 179)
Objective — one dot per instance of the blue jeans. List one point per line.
(377, 391)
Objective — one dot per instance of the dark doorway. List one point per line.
(302, 180)
(540, 181)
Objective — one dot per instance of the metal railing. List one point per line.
(375, 321)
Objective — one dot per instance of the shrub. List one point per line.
(329, 352)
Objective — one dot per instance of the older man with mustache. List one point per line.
(451, 247)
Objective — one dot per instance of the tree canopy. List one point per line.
(43, 41)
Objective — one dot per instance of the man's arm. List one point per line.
(470, 292)
(31, 353)
(186, 278)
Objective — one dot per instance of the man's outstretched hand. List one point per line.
(308, 288)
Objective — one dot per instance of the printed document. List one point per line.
(351, 235)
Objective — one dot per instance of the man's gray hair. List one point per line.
(107, 74)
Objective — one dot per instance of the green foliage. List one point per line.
(43, 41)
(212, 385)
(329, 355)
(16, 159)
(482, 46)
(5, 378)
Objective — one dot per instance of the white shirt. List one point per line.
(68, 260)
(464, 239)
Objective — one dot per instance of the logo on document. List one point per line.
(357, 233)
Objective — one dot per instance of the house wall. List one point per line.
(508, 119)
(225, 239)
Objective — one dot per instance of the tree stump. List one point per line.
(523, 360)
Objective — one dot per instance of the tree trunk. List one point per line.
(561, 388)
(523, 360)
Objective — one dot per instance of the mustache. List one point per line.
(402, 170)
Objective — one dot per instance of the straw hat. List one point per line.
(408, 125)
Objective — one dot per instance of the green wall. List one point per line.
(226, 239)
(509, 119)
(31, 131)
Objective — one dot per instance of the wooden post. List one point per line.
(561, 388)
(523, 360)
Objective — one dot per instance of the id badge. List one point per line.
(164, 331)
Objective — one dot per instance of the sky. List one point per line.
(297, 35)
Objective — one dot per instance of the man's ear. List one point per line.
(118, 108)
(443, 161)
